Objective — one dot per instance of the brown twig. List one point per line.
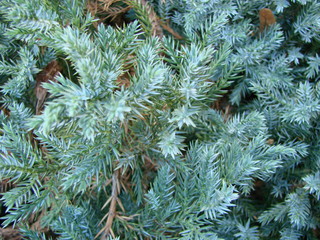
(49, 73)
(170, 30)
(10, 233)
(107, 3)
(6, 185)
(107, 229)
(150, 164)
(106, 7)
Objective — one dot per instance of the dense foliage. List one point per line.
(160, 119)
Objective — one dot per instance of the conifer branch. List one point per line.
(113, 200)
(153, 18)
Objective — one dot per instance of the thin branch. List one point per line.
(107, 229)
(170, 30)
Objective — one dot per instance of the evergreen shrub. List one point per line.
(160, 119)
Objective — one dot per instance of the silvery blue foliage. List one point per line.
(213, 136)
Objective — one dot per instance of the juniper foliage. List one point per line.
(131, 144)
